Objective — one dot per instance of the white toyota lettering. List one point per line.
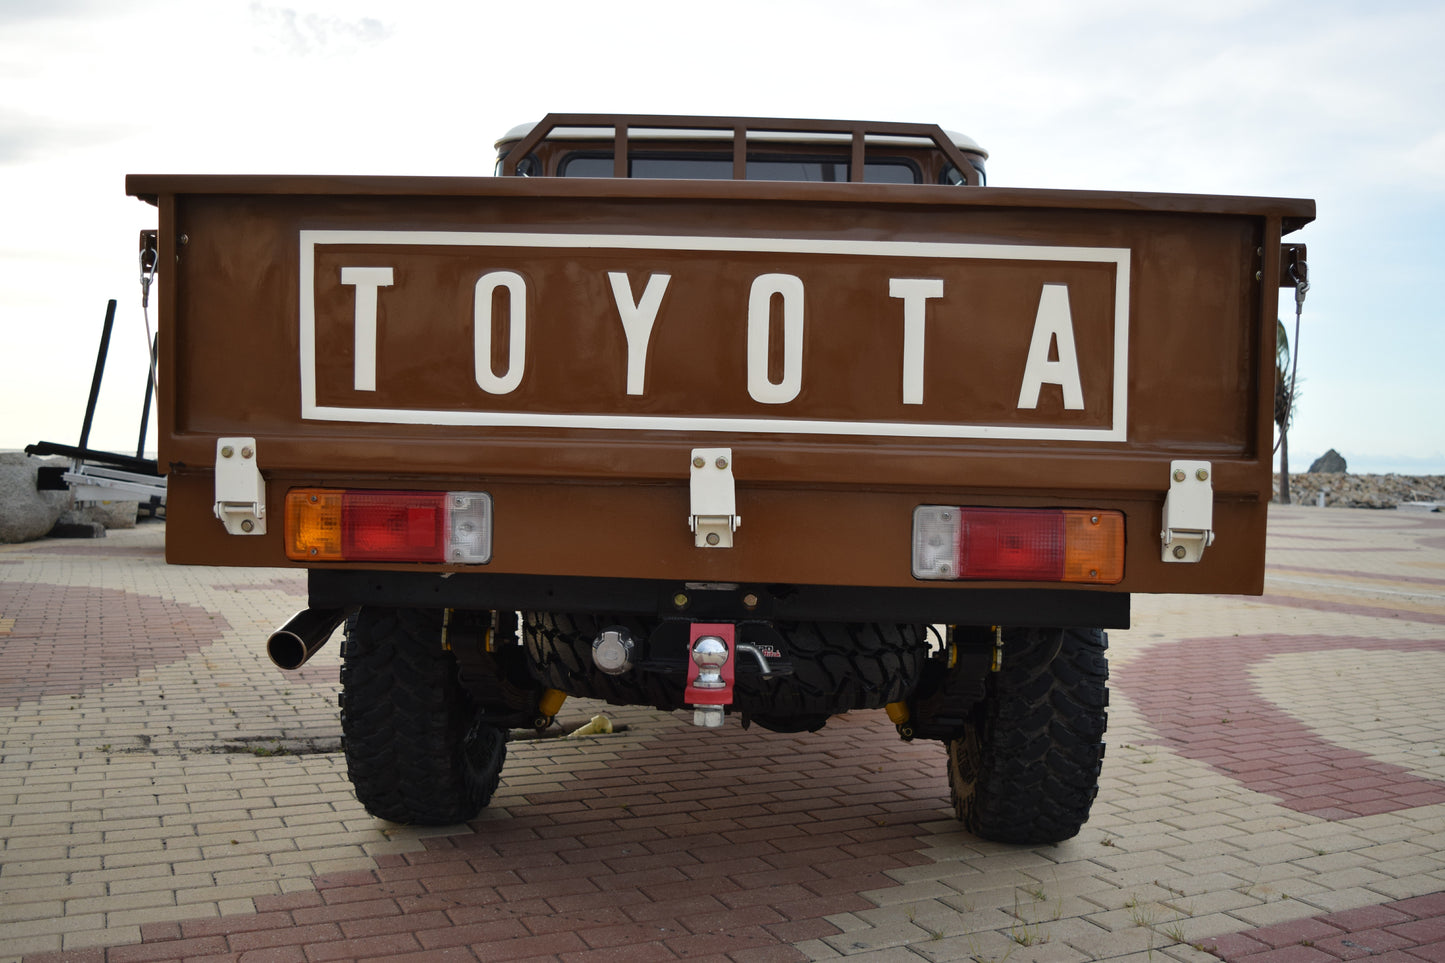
(637, 320)
(760, 316)
(366, 280)
(1053, 333)
(915, 293)
(487, 285)
(1054, 323)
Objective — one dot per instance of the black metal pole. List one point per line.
(145, 411)
(99, 371)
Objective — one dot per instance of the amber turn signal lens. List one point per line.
(1094, 547)
(313, 524)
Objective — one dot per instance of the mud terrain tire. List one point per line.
(416, 748)
(559, 646)
(838, 666)
(1026, 769)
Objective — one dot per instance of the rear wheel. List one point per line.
(417, 747)
(1026, 768)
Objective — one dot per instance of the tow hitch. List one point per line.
(713, 648)
(710, 672)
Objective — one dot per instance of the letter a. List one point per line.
(1054, 323)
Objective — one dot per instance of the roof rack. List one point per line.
(740, 127)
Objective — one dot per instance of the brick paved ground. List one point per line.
(1274, 792)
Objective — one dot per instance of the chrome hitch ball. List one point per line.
(709, 652)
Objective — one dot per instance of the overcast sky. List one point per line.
(1340, 102)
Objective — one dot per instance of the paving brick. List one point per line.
(721, 945)
(639, 952)
(1422, 906)
(1420, 931)
(1355, 944)
(451, 954)
(1232, 845)
(631, 934)
(291, 935)
(349, 910)
(1296, 931)
(166, 950)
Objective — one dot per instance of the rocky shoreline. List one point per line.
(1343, 490)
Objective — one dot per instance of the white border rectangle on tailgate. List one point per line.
(311, 410)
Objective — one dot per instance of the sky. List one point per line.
(1342, 102)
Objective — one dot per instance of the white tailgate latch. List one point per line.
(240, 490)
(714, 499)
(1188, 512)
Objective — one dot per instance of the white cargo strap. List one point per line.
(240, 490)
(1188, 512)
(714, 499)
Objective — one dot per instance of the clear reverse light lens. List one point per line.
(469, 520)
(935, 542)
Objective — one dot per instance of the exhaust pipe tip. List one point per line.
(293, 644)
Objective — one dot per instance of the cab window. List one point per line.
(720, 167)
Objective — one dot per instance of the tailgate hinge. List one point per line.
(1188, 512)
(714, 498)
(240, 490)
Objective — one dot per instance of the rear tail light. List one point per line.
(388, 526)
(1028, 545)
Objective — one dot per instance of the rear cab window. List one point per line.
(693, 148)
(704, 166)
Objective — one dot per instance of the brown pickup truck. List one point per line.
(754, 418)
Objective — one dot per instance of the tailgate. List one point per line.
(858, 350)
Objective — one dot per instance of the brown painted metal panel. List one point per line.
(1164, 295)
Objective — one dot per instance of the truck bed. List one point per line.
(859, 349)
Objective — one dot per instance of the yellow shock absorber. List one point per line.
(898, 715)
(549, 705)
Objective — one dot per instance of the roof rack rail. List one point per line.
(620, 124)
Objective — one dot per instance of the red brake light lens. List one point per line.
(393, 526)
(1018, 544)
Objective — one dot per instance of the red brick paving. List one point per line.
(581, 874)
(1199, 697)
(1356, 573)
(1406, 931)
(57, 647)
(1351, 608)
(693, 848)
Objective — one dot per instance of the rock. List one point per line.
(1364, 491)
(1331, 462)
(108, 514)
(25, 513)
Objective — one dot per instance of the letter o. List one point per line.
(487, 285)
(760, 311)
